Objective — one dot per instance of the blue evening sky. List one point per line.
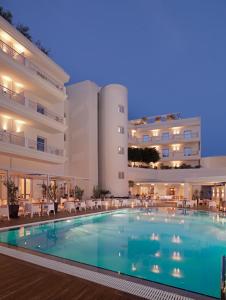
(171, 54)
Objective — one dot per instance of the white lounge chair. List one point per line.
(180, 203)
(48, 207)
(116, 203)
(90, 204)
(32, 209)
(4, 211)
(69, 206)
(98, 204)
(82, 205)
(212, 204)
(124, 202)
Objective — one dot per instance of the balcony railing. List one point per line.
(16, 97)
(19, 140)
(19, 57)
(20, 99)
(45, 76)
(157, 139)
(178, 155)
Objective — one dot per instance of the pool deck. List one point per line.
(24, 280)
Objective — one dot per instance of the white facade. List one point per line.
(177, 140)
(32, 102)
(113, 143)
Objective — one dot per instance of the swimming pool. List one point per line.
(180, 248)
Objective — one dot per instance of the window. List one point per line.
(121, 129)
(187, 134)
(145, 138)
(121, 175)
(65, 137)
(120, 150)
(187, 151)
(40, 109)
(121, 109)
(41, 144)
(165, 136)
(165, 152)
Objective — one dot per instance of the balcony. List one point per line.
(180, 155)
(21, 105)
(19, 145)
(21, 59)
(160, 140)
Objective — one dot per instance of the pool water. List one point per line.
(180, 248)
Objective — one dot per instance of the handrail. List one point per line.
(12, 52)
(20, 98)
(172, 137)
(26, 62)
(20, 140)
(223, 278)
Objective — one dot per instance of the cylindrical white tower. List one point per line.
(113, 139)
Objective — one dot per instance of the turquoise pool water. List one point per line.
(174, 247)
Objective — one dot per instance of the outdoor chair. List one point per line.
(31, 209)
(4, 211)
(69, 206)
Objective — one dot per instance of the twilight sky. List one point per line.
(171, 54)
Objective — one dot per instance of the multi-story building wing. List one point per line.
(177, 140)
(32, 101)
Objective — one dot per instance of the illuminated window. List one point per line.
(176, 147)
(121, 150)
(121, 129)
(176, 164)
(155, 132)
(176, 130)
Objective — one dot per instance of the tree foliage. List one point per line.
(25, 30)
(6, 14)
(78, 192)
(145, 155)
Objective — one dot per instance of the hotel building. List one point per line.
(176, 139)
(79, 135)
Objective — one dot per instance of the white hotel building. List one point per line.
(79, 135)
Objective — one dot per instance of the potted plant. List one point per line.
(12, 199)
(104, 193)
(78, 192)
(52, 192)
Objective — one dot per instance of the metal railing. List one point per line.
(45, 76)
(178, 155)
(12, 52)
(19, 57)
(156, 139)
(223, 278)
(19, 140)
(20, 98)
(45, 111)
(17, 97)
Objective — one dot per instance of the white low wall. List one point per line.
(176, 175)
